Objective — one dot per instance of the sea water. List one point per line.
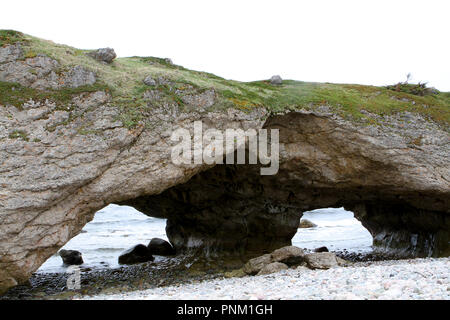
(117, 228)
(113, 230)
(337, 229)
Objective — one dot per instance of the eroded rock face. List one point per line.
(392, 187)
(59, 166)
(11, 53)
(406, 229)
(40, 72)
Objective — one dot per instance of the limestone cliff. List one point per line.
(78, 133)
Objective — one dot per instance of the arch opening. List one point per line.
(113, 230)
(233, 210)
(335, 229)
(116, 228)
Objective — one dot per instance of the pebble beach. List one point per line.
(368, 276)
(412, 279)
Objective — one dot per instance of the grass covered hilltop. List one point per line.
(123, 79)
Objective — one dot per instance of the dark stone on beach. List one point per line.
(160, 247)
(137, 254)
(321, 249)
(71, 257)
(289, 255)
(272, 268)
(322, 260)
(253, 266)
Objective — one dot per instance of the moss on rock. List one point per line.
(123, 79)
(16, 94)
(10, 37)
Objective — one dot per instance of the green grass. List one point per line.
(10, 37)
(123, 80)
(19, 134)
(350, 100)
(346, 99)
(16, 95)
(160, 61)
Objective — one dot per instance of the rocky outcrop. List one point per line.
(11, 53)
(62, 163)
(149, 81)
(104, 54)
(276, 80)
(41, 71)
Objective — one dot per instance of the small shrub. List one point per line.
(30, 54)
(419, 89)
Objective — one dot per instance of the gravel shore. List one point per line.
(421, 279)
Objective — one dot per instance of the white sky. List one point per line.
(368, 42)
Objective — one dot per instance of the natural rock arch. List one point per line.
(325, 162)
(75, 138)
(233, 209)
